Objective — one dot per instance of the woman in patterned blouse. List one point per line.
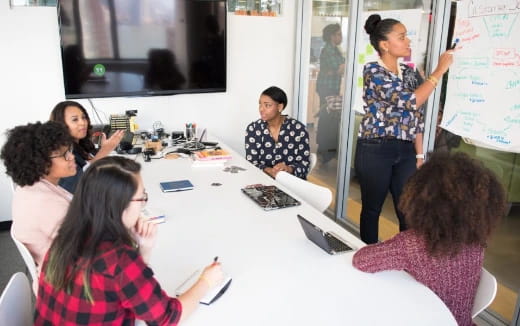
(390, 145)
(276, 142)
(452, 204)
(95, 272)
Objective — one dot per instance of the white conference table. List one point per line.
(279, 276)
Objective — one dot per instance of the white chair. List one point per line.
(486, 291)
(313, 159)
(27, 258)
(16, 302)
(317, 196)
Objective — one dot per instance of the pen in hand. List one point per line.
(215, 260)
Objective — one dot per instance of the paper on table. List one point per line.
(213, 294)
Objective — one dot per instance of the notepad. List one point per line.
(214, 293)
(179, 185)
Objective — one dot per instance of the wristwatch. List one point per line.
(420, 156)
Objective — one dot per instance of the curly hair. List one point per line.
(453, 201)
(84, 146)
(26, 153)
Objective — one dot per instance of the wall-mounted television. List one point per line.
(142, 47)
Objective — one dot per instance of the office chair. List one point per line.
(317, 196)
(16, 302)
(27, 258)
(486, 292)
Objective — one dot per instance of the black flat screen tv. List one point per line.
(142, 47)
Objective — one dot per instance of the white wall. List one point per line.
(260, 54)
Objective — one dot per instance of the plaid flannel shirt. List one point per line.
(123, 289)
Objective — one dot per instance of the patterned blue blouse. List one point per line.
(292, 147)
(389, 103)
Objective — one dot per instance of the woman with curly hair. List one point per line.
(74, 116)
(451, 204)
(36, 157)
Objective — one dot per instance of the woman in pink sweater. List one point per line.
(36, 156)
(452, 204)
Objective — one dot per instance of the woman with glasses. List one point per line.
(99, 259)
(74, 116)
(36, 157)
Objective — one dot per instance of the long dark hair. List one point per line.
(84, 147)
(453, 201)
(378, 29)
(95, 215)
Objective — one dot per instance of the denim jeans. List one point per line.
(381, 164)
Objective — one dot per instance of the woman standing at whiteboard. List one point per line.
(390, 139)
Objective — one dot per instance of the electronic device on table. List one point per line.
(269, 197)
(327, 241)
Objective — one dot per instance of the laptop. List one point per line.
(269, 197)
(327, 241)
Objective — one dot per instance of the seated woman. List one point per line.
(99, 258)
(74, 116)
(36, 157)
(452, 204)
(276, 142)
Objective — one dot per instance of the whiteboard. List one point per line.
(483, 91)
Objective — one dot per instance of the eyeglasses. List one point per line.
(67, 155)
(144, 199)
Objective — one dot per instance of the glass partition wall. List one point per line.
(333, 50)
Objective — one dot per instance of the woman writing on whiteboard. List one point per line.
(390, 146)
(96, 270)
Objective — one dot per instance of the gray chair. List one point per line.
(16, 302)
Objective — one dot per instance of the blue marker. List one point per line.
(455, 44)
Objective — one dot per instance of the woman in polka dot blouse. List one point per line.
(276, 142)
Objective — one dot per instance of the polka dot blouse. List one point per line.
(292, 147)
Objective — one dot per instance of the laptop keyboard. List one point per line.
(336, 244)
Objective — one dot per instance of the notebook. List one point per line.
(269, 197)
(213, 294)
(325, 240)
(179, 185)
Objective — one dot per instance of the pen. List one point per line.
(454, 44)
(215, 260)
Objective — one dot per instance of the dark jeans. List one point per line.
(381, 164)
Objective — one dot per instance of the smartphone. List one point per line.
(179, 185)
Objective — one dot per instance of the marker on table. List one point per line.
(455, 44)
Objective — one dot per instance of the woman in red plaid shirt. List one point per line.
(95, 272)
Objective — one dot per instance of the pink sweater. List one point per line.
(453, 279)
(37, 214)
